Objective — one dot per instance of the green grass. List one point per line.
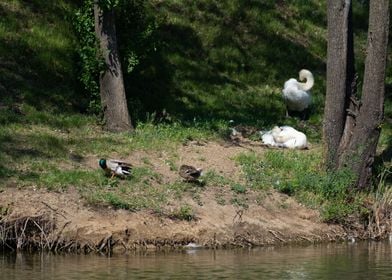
(184, 212)
(62, 179)
(46, 150)
(214, 61)
(42, 149)
(300, 174)
(38, 54)
(44, 136)
(227, 59)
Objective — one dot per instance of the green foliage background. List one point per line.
(204, 59)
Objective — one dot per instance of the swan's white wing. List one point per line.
(291, 83)
(292, 138)
(296, 99)
(267, 139)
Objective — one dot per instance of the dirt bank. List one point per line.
(64, 221)
(76, 226)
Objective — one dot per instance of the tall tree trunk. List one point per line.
(359, 155)
(340, 77)
(111, 81)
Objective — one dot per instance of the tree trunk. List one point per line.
(359, 155)
(111, 81)
(340, 77)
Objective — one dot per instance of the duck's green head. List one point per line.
(102, 163)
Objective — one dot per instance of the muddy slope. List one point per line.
(74, 226)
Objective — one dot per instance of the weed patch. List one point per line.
(185, 212)
(298, 174)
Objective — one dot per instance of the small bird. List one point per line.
(115, 167)
(190, 173)
(235, 136)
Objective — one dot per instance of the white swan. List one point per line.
(296, 94)
(284, 137)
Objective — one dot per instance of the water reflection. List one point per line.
(332, 261)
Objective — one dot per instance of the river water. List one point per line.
(367, 260)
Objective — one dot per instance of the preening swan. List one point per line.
(284, 137)
(296, 94)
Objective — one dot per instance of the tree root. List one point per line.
(27, 232)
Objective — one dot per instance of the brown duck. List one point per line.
(190, 173)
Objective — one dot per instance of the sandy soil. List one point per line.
(276, 219)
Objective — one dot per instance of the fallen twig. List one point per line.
(276, 236)
(54, 210)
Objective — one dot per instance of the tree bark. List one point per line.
(111, 81)
(360, 153)
(340, 78)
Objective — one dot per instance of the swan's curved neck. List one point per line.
(306, 75)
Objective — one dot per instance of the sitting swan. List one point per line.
(284, 137)
(296, 94)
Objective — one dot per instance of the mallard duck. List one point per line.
(296, 94)
(190, 173)
(115, 167)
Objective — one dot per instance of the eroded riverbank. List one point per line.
(63, 222)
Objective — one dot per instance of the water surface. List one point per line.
(329, 261)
